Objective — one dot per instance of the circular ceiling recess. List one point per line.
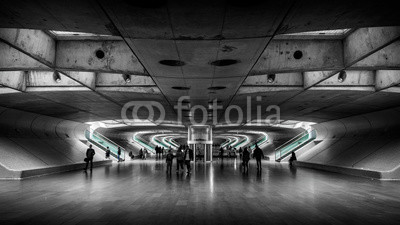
(169, 62)
(224, 62)
(100, 54)
(180, 88)
(298, 54)
(216, 88)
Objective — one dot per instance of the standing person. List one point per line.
(89, 157)
(221, 153)
(179, 159)
(162, 152)
(141, 154)
(246, 158)
(168, 159)
(292, 158)
(240, 153)
(119, 154)
(188, 157)
(145, 154)
(108, 152)
(258, 153)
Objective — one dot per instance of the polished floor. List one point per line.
(141, 192)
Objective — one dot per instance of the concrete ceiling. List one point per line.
(251, 35)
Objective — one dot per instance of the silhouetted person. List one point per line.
(168, 159)
(131, 155)
(221, 153)
(179, 159)
(108, 152)
(89, 157)
(145, 154)
(240, 153)
(246, 158)
(188, 157)
(141, 153)
(258, 154)
(292, 158)
(119, 154)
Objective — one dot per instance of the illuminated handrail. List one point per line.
(103, 142)
(293, 139)
(143, 143)
(294, 144)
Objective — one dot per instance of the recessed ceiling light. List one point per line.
(216, 88)
(180, 88)
(224, 62)
(168, 62)
(298, 54)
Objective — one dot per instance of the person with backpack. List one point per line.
(89, 158)
(168, 159)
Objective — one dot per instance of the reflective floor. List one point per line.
(141, 192)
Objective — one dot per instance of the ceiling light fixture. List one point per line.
(56, 77)
(127, 78)
(342, 76)
(271, 78)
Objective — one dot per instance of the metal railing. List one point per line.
(294, 144)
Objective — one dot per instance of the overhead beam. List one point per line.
(97, 56)
(42, 48)
(364, 42)
(300, 55)
(357, 46)
(13, 79)
(386, 79)
(388, 58)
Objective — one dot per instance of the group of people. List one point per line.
(244, 155)
(159, 151)
(183, 155)
(143, 153)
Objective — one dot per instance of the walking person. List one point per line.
(145, 154)
(258, 154)
(221, 153)
(246, 158)
(188, 157)
(179, 159)
(240, 153)
(168, 159)
(108, 152)
(119, 154)
(89, 157)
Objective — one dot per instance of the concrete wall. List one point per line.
(365, 145)
(32, 144)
